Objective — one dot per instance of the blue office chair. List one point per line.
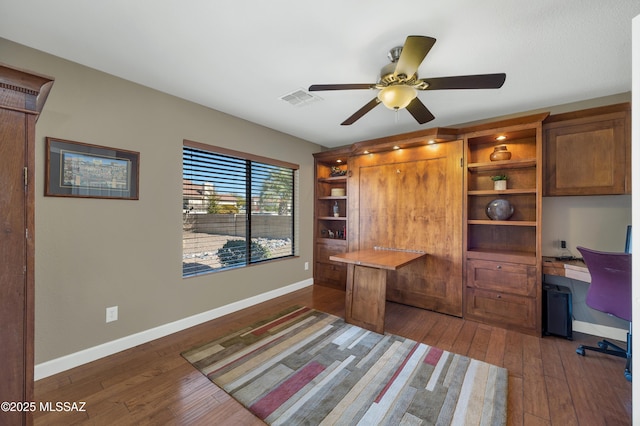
(610, 292)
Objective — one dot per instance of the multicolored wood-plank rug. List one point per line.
(308, 367)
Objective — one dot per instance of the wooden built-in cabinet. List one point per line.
(503, 257)
(22, 96)
(330, 231)
(588, 152)
(428, 192)
(407, 192)
(401, 193)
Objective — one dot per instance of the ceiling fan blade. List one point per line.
(318, 87)
(362, 111)
(480, 81)
(414, 51)
(419, 111)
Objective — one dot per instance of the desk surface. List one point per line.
(574, 269)
(378, 258)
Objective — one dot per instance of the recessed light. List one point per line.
(366, 151)
(338, 161)
(501, 138)
(396, 147)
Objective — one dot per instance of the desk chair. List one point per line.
(610, 292)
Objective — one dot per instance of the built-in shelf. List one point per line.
(502, 192)
(502, 222)
(332, 218)
(502, 165)
(339, 241)
(330, 232)
(503, 262)
(329, 197)
(333, 179)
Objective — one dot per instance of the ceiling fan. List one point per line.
(399, 82)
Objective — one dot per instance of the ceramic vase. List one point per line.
(500, 153)
(499, 209)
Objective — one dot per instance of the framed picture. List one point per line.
(76, 169)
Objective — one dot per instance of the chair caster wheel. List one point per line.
(602, 345)
(580, 351)
(627, 375)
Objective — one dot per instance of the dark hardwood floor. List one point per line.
(549, 384)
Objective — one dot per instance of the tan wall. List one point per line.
(599, 222)
(96, 253)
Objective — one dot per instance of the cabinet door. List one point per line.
(587, 156)
(327, 272)
(16, 347)
(22, 96)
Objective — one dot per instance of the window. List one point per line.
(238, 209)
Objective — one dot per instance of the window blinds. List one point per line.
(236, 211)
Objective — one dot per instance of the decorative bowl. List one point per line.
(499, 209)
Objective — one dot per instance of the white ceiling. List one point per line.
(242, 56)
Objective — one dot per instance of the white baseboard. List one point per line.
(603, 331)
(67, 362)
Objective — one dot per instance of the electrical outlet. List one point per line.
(563, 244)
(112, 314)
(306, 266)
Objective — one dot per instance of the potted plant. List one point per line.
(499, 182)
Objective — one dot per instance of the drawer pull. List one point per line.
(499, 267)
(499, 296)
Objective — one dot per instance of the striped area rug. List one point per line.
(308, 367)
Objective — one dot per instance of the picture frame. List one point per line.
(82, 170)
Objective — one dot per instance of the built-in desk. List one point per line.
(575, 269)
(586, 320)
(367, 282)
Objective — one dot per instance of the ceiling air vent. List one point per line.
(300, 98)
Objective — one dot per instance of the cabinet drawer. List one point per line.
(500, 308)
(323, 251)
(512, 278)
(333, 274)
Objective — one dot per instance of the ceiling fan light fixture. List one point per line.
(397, 97)
(398, 82)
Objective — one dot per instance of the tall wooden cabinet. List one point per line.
(22, 96)
(330, 224)
(503, 257)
